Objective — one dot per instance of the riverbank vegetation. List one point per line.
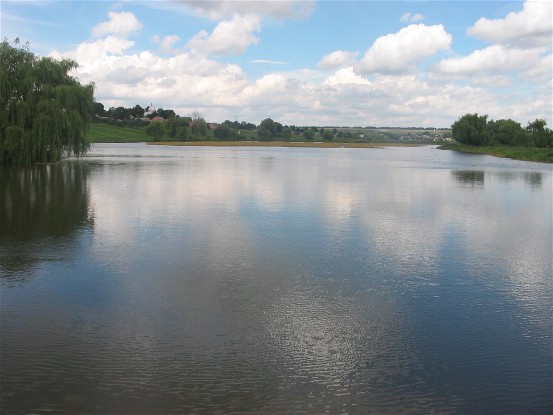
(544, 155)
(474, 134)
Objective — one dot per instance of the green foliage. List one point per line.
(176, 127)
(137, 111)
(507, 132)
(471, 129)
(287, 133)
(43, 110)
(155, 130)
(120, 113)
(239, 125)
(98, 110)
(224, 132)
(309, 134)
(327, 134)
(540, 134)
(198, 125)
(267, 130)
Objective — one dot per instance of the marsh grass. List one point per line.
(544, 155)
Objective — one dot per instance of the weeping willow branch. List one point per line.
(44, 111)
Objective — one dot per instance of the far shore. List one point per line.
(316, 144)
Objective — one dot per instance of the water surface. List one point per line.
(144, 279)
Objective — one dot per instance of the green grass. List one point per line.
(104, 133)
(544, 155)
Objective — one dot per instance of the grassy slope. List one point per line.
(544, 155)
(103, 133)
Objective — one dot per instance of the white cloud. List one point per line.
(229, 36)
(167, 42)
(338, 59)
(533, 26)
(270, 62)
(395, 53)
(121, 24)
(496, 59)
(411, 17)
(345, 76)
(217, 10)
(187, 80)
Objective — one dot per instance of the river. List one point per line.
(153, 279)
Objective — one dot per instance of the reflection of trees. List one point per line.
(534, 179)
(476, 178)
(40, 206)
(469, 177)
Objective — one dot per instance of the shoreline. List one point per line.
(313, 144)
(539, 155)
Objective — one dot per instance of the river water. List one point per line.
(146, 279)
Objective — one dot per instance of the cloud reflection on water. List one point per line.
(286, 240)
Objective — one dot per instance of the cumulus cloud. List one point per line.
(533, 26)
(395, 53)
(338, 59)
(345, 76)
(187, 81)
(495, 59)
(217, 10)
(120, 24)
(230, 37)
(411, 17)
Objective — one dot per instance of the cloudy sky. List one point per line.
(339, 63)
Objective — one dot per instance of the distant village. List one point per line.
(138, 115)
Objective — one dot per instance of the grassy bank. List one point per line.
(544, 155)
(104, 133)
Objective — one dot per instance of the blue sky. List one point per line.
(356, 63)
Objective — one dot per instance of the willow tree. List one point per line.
(44, 111)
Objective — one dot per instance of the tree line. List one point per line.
(476, 130)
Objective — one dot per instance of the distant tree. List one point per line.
(247, 125)
(224, 132)
(155, 130)
(471, 129)
(540, 134)
(198, 125)
(120, 113)
(98, 110)
(176, 127)
(166, 113)
(309, 134)
(327, 134)
(287, 133)
(43, 110)
(137, 111)
(266, 130)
